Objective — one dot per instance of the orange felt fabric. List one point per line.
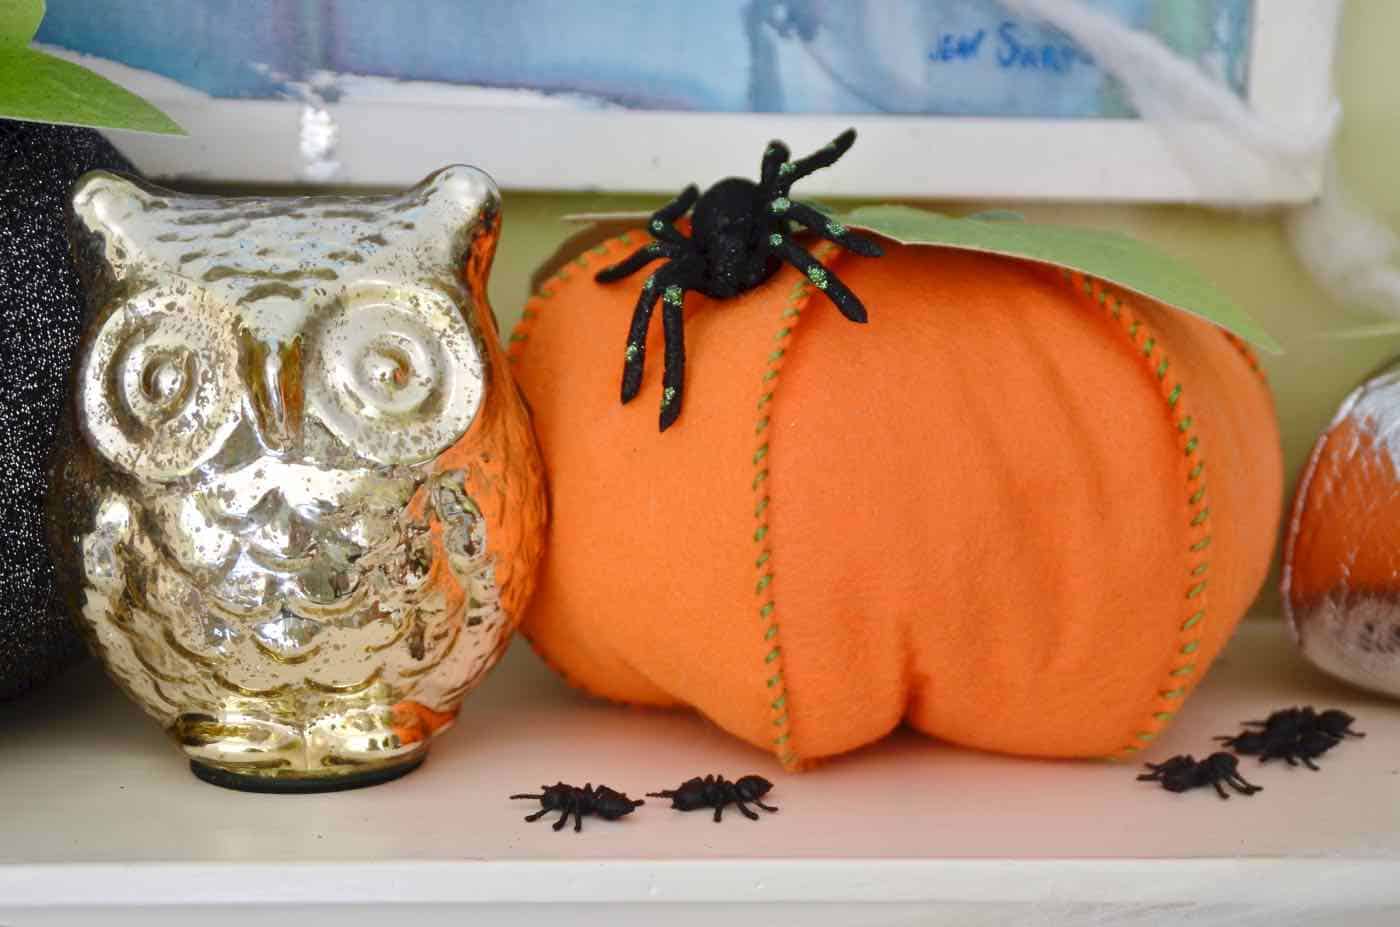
(983, 513)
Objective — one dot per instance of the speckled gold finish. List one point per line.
(298, 502)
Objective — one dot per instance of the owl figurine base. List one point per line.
(296, 505)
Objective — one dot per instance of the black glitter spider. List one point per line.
(716, 792)
(1293, 735)
(741, 233)
(1183, 773)
(602, 801)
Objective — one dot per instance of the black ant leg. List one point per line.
(639, 259)
(794, 171)
(537, 815)
(666, 794)
(578, 822)
(719, 812)
(1220, 790)
(1244, 785)
(744, 810)
(821, 278)
(564, 819)
(828, 228)
(1307, 761)
(514, 797)
(769, 808)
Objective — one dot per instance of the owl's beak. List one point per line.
(274, 371)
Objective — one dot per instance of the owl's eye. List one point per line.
(395, 374)
(159, 391)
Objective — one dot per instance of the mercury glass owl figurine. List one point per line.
(297, 501)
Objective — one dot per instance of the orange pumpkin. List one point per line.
(1018, 510)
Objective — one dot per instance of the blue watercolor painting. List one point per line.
(910, 57)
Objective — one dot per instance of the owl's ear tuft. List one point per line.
(102, 206)
(462, 185)
(102, 200)
(467, 207)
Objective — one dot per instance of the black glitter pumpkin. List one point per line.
(41, 314)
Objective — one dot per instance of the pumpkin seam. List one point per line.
(775, 690)
(1183, 673)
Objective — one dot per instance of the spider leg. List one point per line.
(745, 811)
(661, 224)
(1220, 790)
(829, 228)
(637, 260)
(564, 818)
(673, 375)
(821, 278)
(537, 815)
(1307, 761)
(719, 812)
(770, 808)
(636, 354)
(826, 156)
(578, 823)
(774, 157)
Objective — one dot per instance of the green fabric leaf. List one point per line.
(19, 21)
(41, 88)
(1109, 256)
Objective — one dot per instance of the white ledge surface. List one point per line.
(99, 813)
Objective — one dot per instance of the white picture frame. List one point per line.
(549, 147)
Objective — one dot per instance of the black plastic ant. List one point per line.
(1183, 773)
(602, 802)
(741, 233)
(716, 792)
(1294, 735)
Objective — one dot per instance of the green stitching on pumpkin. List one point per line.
(1184, 425)
(801, 291)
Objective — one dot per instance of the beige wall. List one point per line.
(1247, 254)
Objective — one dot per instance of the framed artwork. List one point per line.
(953, 98)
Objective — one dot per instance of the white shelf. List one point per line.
(99, 816)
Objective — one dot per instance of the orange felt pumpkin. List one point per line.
(1018, 510)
